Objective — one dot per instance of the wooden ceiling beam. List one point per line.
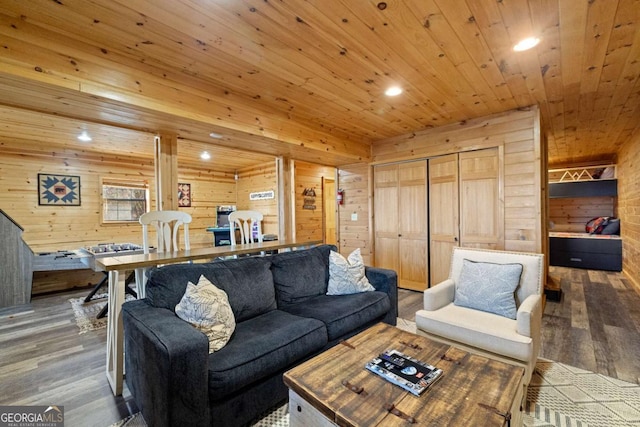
(106, 79)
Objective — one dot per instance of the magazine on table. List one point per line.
(409, 373)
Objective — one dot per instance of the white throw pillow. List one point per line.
(488, 287)
(346, 276)
(207, 308)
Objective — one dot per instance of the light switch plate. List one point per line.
(354, 216)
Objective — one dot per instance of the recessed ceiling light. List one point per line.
(526, 44)
(215, 135)
(205, 155)
(393, 91)
(84, 136)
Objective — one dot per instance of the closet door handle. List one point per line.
(455, 238)
(399, 235)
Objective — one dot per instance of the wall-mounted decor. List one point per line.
(262, 195)
(184, 195)
(58, 190)
(309, 199)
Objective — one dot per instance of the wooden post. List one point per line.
(286, 198)
(166, 171)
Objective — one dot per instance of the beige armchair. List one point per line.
(515, 340)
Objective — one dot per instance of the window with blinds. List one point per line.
(124, 201)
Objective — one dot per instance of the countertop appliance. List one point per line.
(222, 215)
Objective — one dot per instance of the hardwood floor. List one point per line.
(43, 359)
(596, 326)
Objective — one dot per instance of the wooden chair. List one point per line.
(247, 222)
(166, 224)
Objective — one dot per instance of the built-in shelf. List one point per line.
(579, 174)
(594, 188)
(591, 181)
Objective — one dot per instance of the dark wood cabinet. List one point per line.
(606, 187)
(586, 252)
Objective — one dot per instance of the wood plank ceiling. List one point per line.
(306, 78)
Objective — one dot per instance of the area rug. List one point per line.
(85, 312)
(562, 395)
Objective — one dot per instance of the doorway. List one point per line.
(329, 211)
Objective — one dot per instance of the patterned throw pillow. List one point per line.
(207, 308)
(488, 287)
(346, 276)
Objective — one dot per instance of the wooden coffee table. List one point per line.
(334, 388)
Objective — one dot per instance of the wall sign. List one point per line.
(262, 195)
(309, 199)
(58, 190)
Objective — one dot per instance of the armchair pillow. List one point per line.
(207, 308)
(488, 287)
(346, 276)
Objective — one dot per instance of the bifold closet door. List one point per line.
(385, 213)
(481, 205)
(413, 225)
(401, 225)
(465, 206)
(443, 214)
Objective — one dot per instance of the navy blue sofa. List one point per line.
(283, 317)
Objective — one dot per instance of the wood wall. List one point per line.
(572, 214)
(51, 228)
(260, 178)
(68, 227)
(309, 222)
(209, 188)
(524, 180)
(629, 207)
(524, 176)
(354, 180)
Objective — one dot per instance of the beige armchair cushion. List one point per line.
(486, 331)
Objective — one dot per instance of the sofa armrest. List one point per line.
(439, 295)
(385, 280)
(528, 316)
(166, 365)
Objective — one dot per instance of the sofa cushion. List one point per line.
(488, 287)
(262, 346)
(487, 331)
(346, 275)
(207, 308)
(300, 275)
(343, 313)
(247, 281)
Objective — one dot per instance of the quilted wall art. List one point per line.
(58, 190)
